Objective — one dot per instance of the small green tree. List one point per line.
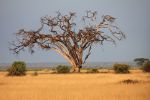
(62, 69)
(18, 68)
(121, 68)
(146, 66)
(140, 61)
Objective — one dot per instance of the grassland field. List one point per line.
(105, 85)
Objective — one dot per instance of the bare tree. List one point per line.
(68, 39)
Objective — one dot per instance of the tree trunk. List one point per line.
(78, 70)
(75, 66)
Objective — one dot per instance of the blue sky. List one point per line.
(132, 17)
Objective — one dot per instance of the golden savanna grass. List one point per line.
(100, 86)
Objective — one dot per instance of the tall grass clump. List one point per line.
(18, 68)
(121, 68)
(146, 66)
(62, 69)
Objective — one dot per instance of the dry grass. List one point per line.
(102, 86)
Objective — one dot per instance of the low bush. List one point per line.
(18, 68)
(62, 69)
(121, 68)
(146, 66)
(92, 70)
(53, 69)
(35, 73)
(130, 81)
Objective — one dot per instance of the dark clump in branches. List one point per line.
(66, 40)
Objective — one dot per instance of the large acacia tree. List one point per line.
(68, 38)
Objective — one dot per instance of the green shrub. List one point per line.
(62, 69)
(121, 68)
(146, 66)
(92, 70)
(18, 68)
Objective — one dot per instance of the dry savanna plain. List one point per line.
(81, 86)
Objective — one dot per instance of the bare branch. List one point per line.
(88, 54)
